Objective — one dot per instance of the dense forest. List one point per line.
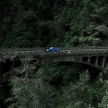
(41, 23)
(61, 23)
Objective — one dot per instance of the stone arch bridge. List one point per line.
(93, 56)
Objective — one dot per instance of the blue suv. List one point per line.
(52, 49)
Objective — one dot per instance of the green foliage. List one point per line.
(76, 95)
(63, 23)
(84, 41)
(56, 86)
(48, 23)
(104, 79)
(104, 102)
(28, 90)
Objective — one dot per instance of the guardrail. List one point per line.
(74, 50)
(43, 48)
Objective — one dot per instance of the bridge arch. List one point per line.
(106, 61)
(93, 60)
(101, 61)
(85, 59)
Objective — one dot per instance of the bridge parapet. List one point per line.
(93, 56)
(70, 53)
(74, 50)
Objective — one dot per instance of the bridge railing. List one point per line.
(73, 50)
(62, 48)
(21, 49)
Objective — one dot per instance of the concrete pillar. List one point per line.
(12, 69)
(88, 61)
(96, 62)
(0, 66)
(1, 79)
(0, 71)
(103, 62)
(12, 59)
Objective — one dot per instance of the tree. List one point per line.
(28, 91)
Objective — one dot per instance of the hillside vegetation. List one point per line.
(41, 23)
(61, 23)
(58, 86)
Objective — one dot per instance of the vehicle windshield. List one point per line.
(51, 47)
